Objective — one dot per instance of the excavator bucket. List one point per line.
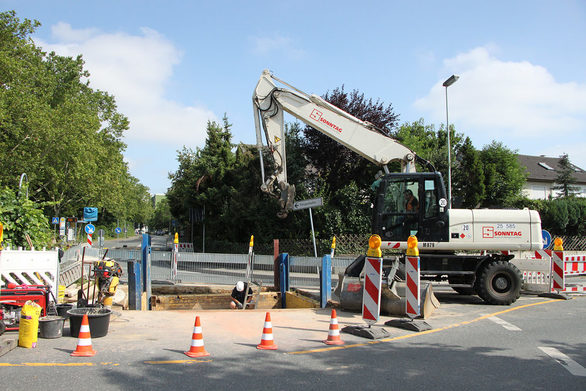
(349, 291)
(429, 303)
(286, 200)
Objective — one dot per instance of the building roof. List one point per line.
(544, 169)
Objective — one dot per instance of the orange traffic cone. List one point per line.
(84, 342)
(334, 331)
(266, 341)
(197, 349)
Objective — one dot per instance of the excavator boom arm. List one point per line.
(270, 101)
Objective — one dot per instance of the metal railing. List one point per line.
(206, 268)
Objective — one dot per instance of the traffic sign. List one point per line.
(546, 236)
(117, 230)
(89, 229)
(62, 226)
(55, 220)
(310, 203)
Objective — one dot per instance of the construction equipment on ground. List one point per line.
(406, 203)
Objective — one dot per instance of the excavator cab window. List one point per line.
(410, 204)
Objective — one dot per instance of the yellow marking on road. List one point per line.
(175, 362)
(47, 364)
(466, 322)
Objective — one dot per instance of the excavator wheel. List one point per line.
(499, 282)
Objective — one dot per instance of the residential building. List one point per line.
(542, 172)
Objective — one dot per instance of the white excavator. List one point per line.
(470, 248)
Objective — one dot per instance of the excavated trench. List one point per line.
(191, 297)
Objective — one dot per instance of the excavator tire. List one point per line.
(499, 283)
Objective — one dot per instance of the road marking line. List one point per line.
(47, 364)
(504, 323)
(423, 332)
(572, 366)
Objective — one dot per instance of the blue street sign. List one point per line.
(90, 213)
(55, 220)
(117, 230)
(546, 238)
(89, 229)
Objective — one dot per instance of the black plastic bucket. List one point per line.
(98, 318)
(63, 308)
(51, 326)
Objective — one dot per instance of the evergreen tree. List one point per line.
(565, 179)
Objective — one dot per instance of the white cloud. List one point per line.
(505, 100)
(136, 69)
(277, 43)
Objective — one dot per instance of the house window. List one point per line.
(538, 192)
(546, 166)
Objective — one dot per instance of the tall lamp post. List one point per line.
(451, 80)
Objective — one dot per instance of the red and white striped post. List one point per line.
(373, 268)
(412, 273)
(558, 278)
(89, 239)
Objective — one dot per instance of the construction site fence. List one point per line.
(202, 268)
(347, 245)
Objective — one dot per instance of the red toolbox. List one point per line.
(13, 297)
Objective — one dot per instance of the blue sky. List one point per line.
(174, 65)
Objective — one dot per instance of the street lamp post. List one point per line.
(451, 80)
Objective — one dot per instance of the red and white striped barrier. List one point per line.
(373, 268)
(542, 254)
(559, 268)
(89, 239)
(531, 277)
(558, 278)
(412, 273)
(574, 264)
(186, 247)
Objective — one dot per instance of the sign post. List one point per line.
(89, 230)
(308, 204)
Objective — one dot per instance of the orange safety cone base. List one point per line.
(334, 342)
(88, 353)
(197, 354)
(266, 347)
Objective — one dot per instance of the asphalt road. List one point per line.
(134, 242)
(535, 344)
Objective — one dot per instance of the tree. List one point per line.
(66, 136)
(503, 175)
(468, 184)
(565, 179)
(21, 217)
(335, 162)
(161, 218)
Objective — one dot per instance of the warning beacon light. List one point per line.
(374, 246)
(412, 246)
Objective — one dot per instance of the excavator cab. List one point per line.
(411, 204)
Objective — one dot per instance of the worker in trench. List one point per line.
(239, 294)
